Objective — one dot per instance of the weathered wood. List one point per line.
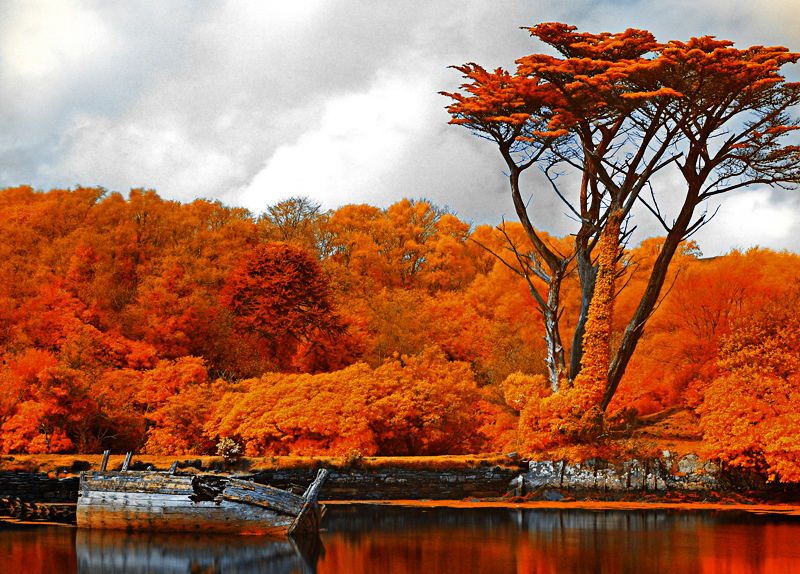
(173, 468)
(263, 496)
(146, 482)
(313, 489)
(160, 501)
(307, 521)
(127, 462)
(135, 511)
(104, 462)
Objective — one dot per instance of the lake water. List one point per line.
(371, 539)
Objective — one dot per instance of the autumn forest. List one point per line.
(148, 324)
(141, 324)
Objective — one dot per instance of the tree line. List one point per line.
(139, 323)
(143, 324)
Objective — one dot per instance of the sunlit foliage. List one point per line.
(139, 324)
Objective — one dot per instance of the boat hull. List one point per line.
(163, 502)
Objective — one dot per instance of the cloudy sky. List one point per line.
(251, 102)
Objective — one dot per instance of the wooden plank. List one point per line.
(303, 522)
(140, 499)
(313, 489)
(262, 496)
(104, 462)
(132, 481)
(138, 515)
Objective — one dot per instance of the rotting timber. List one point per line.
(151, 500)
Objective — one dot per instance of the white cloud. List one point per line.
(42, 37)
(48, 48)
(759, 217)
(117, 155)
(335, 99)
(359, 140)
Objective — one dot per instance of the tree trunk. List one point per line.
(556, 269)
(587, 274)
(635, 328)
(555, 349)
(597, 338)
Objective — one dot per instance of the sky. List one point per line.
(252, 102)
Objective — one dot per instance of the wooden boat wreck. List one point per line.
(152, 500)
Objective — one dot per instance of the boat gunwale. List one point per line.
(90, 480)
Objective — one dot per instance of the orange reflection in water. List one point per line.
(746, 550)
(396, 540)
(567, 541)
(41, 549)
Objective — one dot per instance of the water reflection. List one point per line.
(111, 552)
(36, 548)
(371, 538)
(548, 540)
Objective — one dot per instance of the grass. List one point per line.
(72, 464)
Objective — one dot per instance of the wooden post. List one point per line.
(313, 489)
(310, 500)
(104, 462)
(127, 462)
(174, 467)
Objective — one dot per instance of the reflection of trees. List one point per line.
(371, 538)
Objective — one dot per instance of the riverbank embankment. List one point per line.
(500, 478)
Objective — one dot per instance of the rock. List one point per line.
(552, 495)
(541, 473)
(689, 464)
(631, 476)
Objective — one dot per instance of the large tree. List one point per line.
(616, 109)
(281, 298)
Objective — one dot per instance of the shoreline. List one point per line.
(765, 509)
(482, 480)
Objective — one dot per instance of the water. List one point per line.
(368, 539)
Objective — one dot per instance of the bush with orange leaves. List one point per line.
(417, 405)
(750, 415)
(176, 398)
(561, 419)
(503, 404)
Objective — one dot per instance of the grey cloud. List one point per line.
(194, 99)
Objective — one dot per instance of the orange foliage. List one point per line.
(750, 415)
(591, 382)
(113, 334)
(279, 297)
(177, 399)
(410, 244)
(106, 297)
(414, 405)
(677, 356)
(28, 431)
